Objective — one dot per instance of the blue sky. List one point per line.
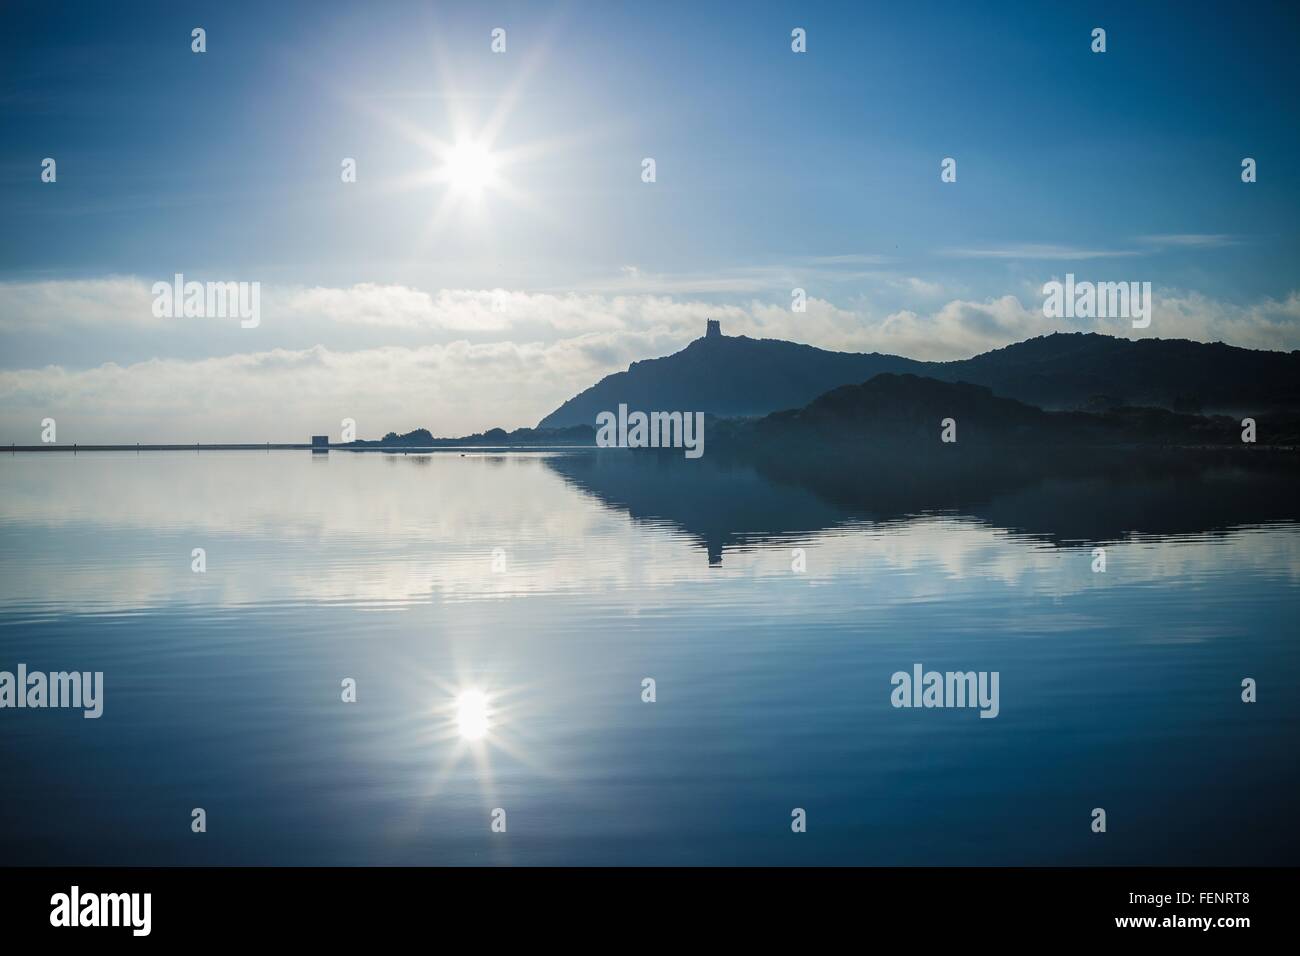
(775, 170)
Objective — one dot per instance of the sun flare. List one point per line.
(472, 715)
(469, 168)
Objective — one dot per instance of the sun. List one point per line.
(473, 714)
(469, 168)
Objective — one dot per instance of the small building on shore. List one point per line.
(320, 443)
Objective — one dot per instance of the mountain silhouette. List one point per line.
(1072, 370)
(732, 376)
(727, 376)
(890, 411)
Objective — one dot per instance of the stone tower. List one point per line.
(712, 329)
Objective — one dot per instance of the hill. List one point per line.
(731, 376)
(897, 411)
(1072, 370)
(727, 376)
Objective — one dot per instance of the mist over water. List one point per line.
(222, 689)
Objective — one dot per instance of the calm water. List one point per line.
(1118, 690)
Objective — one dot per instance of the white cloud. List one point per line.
(1147, 245)
(286, 395)
(861, 259)
(633, 280)
(111, 300)
(1190, 240)
(1036, 251)
(1265, 324)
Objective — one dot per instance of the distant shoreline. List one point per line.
(280, 446)
(377, 447)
